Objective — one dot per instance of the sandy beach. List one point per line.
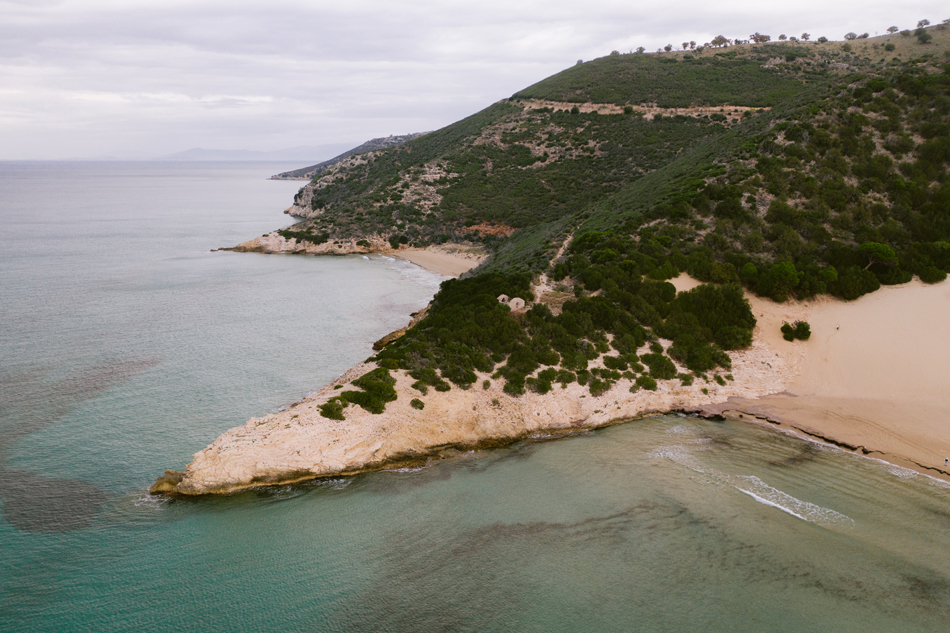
(874, 377)
(450, 263)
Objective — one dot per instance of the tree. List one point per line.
(923, 23)
(851, 36)
(864, 36)
(685, 45)
(778, 282)
(822, 39)
(718, 41)
(892, 29)
(640, 49)
(758, 38)
(923, 36)
(692, 44)
(782, 37)
(878, 254)
(805, 36)
(668, 48)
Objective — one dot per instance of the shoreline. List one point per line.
(447, 260)
(827, 389)
(874, 378)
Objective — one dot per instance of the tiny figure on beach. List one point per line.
(837, 326)
(946, 460)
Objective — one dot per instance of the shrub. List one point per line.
(644, 382)
(788, 332)
(377, 387)
(416, 403)
(333, 409)
(719, 379)
(421, 387)
(932, 275)
(802, 330)
(660, 366)
(686, 379)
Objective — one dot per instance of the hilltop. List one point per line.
(766, 172)
(307, 173)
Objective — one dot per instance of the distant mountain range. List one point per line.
(306, 173)
(302, 153)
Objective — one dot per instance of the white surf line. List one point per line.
(806, 511)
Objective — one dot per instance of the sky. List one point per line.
(140, 79)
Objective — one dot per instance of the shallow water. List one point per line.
(127, 346)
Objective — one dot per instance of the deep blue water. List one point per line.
(126, 346)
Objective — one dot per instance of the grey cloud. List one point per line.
(83, 78)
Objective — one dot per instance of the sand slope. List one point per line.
(880, 383)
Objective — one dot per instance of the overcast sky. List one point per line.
(144, 78)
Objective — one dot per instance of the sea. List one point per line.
(127, 345)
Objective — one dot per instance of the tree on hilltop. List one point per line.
(923, 23)
(851, 36)
(758, 38)
(892, 29)
(782, 37)
(718, 41)
(692, 44)
(805, 36)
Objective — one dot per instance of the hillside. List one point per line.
(793, 169)
(784, 170)
(307, 173)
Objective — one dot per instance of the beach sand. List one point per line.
(874, 376)
(441, 262)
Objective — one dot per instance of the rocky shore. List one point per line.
(886, 399)
(298, 443)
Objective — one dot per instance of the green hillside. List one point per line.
(790, 169)
(680, 81)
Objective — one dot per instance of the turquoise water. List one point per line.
(126, 346)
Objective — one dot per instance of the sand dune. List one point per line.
(880, 383)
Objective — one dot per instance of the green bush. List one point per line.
(333, 409)
(802, 330)
(660, 366)
(377, 387)
(788, 332)
(644, 382)
(416, 403)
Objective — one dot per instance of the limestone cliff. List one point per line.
(298, 443)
